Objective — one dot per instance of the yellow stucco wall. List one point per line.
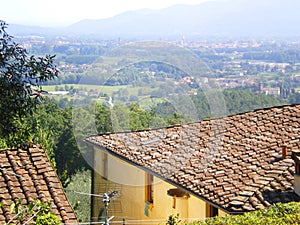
(129, 181)
(222, 213)
(297, 184)
(196, 208)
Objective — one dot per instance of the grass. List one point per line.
(105, 89)
(146, 102)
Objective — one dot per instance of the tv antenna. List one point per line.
(106, 200)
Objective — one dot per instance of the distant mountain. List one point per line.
(215, 18)
(231, 17)
(19, 30)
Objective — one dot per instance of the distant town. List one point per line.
(271, 67)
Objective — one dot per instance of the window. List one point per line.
(211, 211)
(104, 165)
(149, 188)
(297, 168)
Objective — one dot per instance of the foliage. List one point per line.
(20, 90)
(81, 59)
(37, 211)
(173, 220)
(66, 149)
(279, 56)
(135, 73)
(49, 120)
(81, 182)
(133, 117)
(103, 119)
(279, 214)
(235, 101)
(242, 101)
(294, 98)
(57, 124)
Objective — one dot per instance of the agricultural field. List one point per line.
(109, 90)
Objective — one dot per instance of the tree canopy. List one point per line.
(20, 92)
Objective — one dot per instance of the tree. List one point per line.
(294, 98)
(21, 77)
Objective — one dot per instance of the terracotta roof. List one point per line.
(28, 175)
(235, 162)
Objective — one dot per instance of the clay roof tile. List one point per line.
(28, 174)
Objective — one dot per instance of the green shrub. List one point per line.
(279, 214)
(36, 212)
(173, 220)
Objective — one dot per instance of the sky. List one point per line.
(57, 13)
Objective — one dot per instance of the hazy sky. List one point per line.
(65, 12)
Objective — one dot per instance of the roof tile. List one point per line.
(28, 175)
(235, 162)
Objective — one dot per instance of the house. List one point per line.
(228, 165)
(27, 174)
(276, 91)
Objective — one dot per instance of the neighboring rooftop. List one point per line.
(28, 175)
(235, 162)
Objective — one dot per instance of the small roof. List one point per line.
(234, 163)
(28, 175)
